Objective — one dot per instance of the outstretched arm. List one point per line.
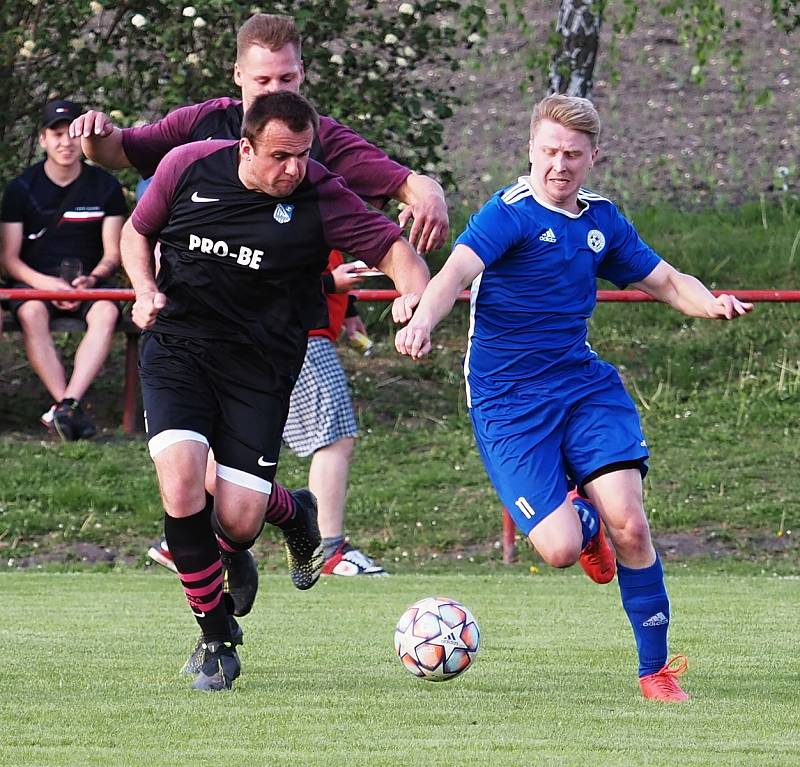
(426, 206)
(101, 140)
(460, 269)
(689, 296)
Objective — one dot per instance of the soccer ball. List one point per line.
(437, 639)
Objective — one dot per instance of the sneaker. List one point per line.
(159, 552)
(347, 560)
(220, 667)
(194, 663)
(46, 418)
(663, 685)
(597, 559)
(62, 420)
(71, 422)
(82, 425)
(240, 579)
(303, 541)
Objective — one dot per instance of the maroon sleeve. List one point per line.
(151, 213)
(349, 225)
(146, 145)
(366, 169)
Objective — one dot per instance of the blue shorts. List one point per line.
(536, 438)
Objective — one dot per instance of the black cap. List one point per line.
(59, 111)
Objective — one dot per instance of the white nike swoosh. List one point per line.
(262, 462)
(197, 198)
(198, 614)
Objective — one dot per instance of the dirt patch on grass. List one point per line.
(752, 546)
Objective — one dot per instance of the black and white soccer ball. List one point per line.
(437, 639)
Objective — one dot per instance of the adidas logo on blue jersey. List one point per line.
(659, 619)
(548, 236)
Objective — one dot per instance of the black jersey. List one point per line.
(240, 265)
(32, 199)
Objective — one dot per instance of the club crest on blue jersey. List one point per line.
(283, 213)
(596, 240)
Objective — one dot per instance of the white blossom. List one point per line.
(138, 21)
(199, 22)
(401, 62)
(25, 52)
(390, 39)
(409, 52)
(782, 171)
(28, 45)
(372, 75)
(77, 44)
(116, 115)
(336, 59)
(193, 59)
(406, 9)
(474, 38)
(189, 11)
(96, 8)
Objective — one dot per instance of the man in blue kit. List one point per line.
(546, 411)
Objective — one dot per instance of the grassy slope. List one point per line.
(321, 686)
(719, 402)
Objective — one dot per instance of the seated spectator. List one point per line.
(60, 223)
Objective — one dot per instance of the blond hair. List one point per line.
(268, 30)
(572, 112)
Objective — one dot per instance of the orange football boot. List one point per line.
(663, 685)
(597, 559)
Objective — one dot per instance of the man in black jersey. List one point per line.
(268, 59)
(245, 230)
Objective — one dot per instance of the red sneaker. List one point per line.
(597, 559)
(663, 685)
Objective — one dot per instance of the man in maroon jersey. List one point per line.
(245, 229)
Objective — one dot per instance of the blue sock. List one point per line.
(589, 519)
(645, 600)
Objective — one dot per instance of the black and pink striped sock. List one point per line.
(280, 507)
(194, 550)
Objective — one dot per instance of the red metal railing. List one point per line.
(626, 296)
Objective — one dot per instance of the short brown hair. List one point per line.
(268, 30)
(292, 109)
(570, 111)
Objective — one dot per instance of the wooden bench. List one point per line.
(130, 391)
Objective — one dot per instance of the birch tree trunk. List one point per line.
(572, 66)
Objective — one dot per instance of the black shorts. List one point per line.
(56, 313)
(223, 394)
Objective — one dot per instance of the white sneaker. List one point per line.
(46, 418)
(160, 553)
(349, 561)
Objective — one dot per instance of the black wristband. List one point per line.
(328, 283)
(352, 309)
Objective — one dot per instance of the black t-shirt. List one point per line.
(240, 265)
(32, 199)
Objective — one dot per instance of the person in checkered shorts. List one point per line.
(322, 423)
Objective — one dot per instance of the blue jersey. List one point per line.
(531, 304)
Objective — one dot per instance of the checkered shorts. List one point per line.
(320, 410)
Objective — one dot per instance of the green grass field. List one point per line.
(93, 677)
